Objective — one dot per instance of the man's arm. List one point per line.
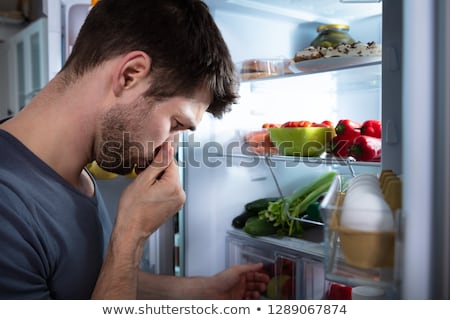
(163, 287)
(155, 195)
(237, 282)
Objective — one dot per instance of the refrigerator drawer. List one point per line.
(293, 275)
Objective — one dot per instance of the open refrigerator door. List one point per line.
(221, 174)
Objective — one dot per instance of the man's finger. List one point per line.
(162, 160)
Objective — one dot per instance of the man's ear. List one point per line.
(131, 68)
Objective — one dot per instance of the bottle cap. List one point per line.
(333, 26)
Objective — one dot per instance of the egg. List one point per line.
(367, 186)
(364, 177)
(367, 212)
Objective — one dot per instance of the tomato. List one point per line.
(290, 124)
(307, 124)
(270, 125)
(328, 123)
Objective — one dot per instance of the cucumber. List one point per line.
(313, 211)
(251, 210)
(259, 227)
(259, 204)
(240, 220)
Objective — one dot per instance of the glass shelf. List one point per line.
(323, 65)
(325, 159)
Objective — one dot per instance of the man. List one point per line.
(140, 72)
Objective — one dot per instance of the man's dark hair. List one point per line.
(180, 36)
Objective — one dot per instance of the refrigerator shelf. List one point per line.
(325, 159)
(311, 244)
(322, 65)
(334, 64)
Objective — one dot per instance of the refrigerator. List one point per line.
(219, 179)
(406, 89)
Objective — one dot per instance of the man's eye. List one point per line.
(177, 125)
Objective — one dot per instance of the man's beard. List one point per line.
(119, 152)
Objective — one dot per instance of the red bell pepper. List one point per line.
(366, 148)
(340, 147)
(347, 129)
(371, 128)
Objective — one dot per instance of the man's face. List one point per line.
(131, 134)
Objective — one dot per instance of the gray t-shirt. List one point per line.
(52, 237)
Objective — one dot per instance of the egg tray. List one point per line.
(363, 249)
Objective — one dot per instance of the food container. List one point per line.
(263, 68)
(302, 142)
(355, 257)
(364, 249)
(332, 35)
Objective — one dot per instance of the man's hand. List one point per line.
(237, 282)
(240, 282)
(155, 195)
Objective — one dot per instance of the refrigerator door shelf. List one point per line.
(369, 257)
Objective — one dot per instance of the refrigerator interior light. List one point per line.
(277, 9)
(329, 11)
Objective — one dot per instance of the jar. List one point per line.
(331, 35)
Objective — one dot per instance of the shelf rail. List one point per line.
(303, 218)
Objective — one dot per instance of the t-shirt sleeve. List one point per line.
(23, 264)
